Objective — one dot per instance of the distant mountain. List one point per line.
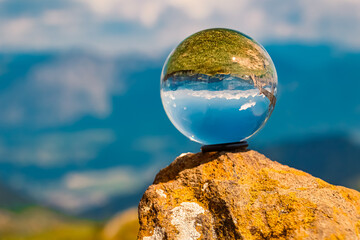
(113, 206)
(334, 159)
(11, 199)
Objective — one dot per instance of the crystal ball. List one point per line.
(218, 86)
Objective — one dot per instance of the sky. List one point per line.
(64, 62)
(151, 27)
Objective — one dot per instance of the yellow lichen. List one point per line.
(284, 214)
(288, 171)
(264, 184)
(336, 237)
(322, 183)
(357, 225)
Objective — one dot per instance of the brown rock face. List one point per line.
(244, 195)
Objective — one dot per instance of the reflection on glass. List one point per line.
(218, 86)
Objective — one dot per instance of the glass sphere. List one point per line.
(218, 86)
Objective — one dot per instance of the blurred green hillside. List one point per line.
(37, 223)
(21, 219)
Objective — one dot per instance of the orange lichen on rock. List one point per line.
(244, 195)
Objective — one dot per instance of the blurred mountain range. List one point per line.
(86, 133)
(334, 159)
(11, 199)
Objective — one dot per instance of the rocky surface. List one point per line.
(244, 195)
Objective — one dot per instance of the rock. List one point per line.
(244, 195)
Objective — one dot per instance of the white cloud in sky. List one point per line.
(56, 149)
(355, 136)
(153, 144)
(146, 13)
(61, 91)
(118, 26)
(78, 191)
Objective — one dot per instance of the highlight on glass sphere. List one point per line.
(218, 86)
